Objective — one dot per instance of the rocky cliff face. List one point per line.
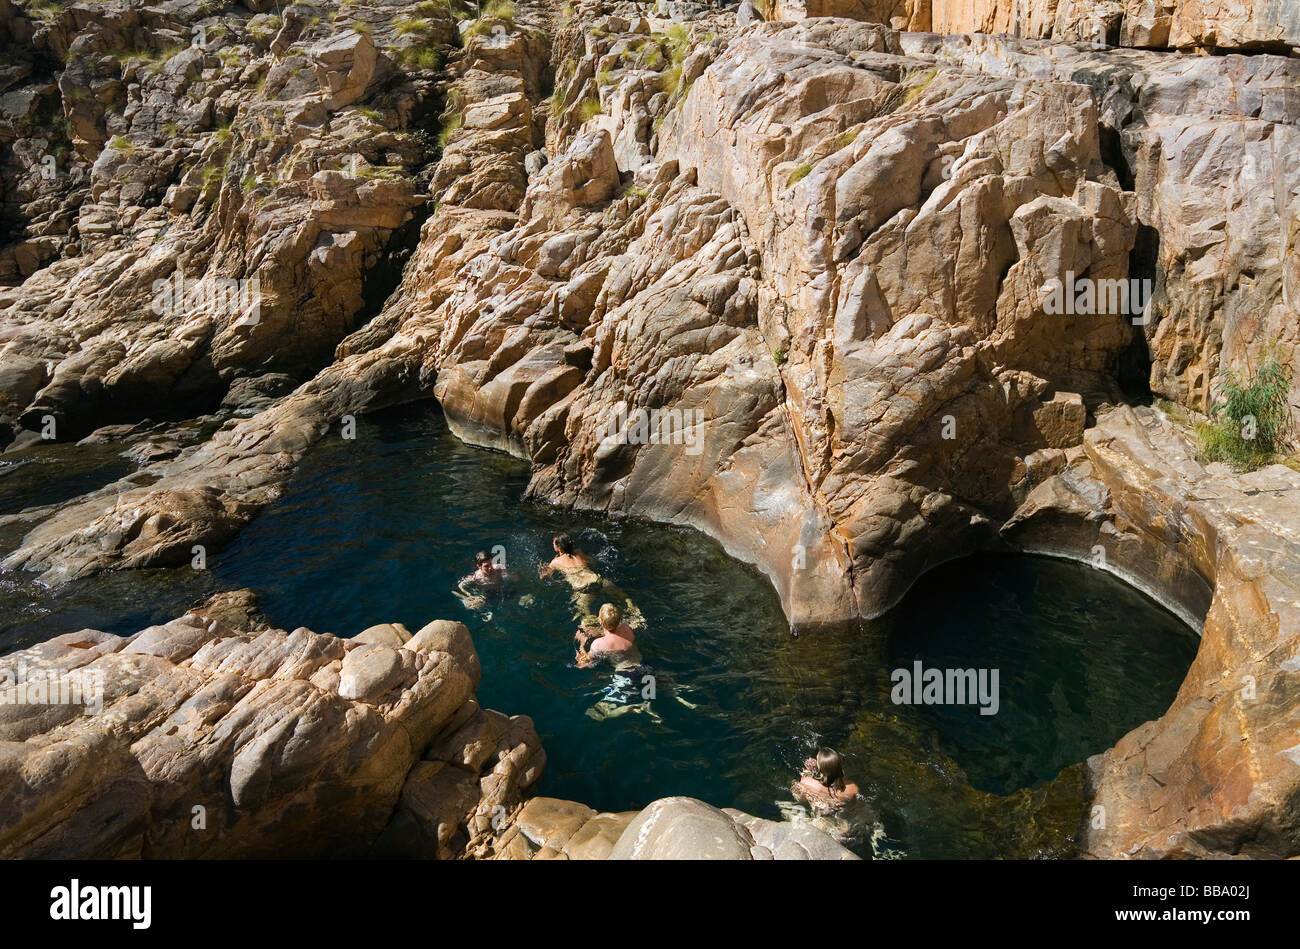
(786, 282)
(1269, 25)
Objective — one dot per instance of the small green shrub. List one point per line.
(671, 78)
(1251, 423)
(422, 57)
(799, 174)
(779, 356)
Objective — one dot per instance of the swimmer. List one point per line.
(487, 578)
(613, 640)
(567, 558)
(588, 585)
(822, 785)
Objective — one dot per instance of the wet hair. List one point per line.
(565, 543)
(482, 557)
(610, 616)
(830, 769)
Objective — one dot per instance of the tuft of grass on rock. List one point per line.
(405, 25)
(494, 11)
(1251, 423)
(799, 174)
(448, 130)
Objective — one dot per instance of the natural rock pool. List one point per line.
(378, 529)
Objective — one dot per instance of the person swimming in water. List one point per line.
(567, 559)
(487, 579)
(633, 684)
(822, 785)
(588, 585)
(614, 641)
(834, 805)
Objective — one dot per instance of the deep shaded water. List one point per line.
(378, 530)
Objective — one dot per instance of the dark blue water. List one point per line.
(379, 529)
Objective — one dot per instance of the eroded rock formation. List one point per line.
(211, 741)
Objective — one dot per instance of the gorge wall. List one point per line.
(815, 253)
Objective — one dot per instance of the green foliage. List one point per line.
(799, 174)
(671, 78)
(405, 25)
(915, 84)
(121, 143)
(1251, 423)
(846, 139)
(264, 27)
(45, 10)
(494, 11)
(779, 356)
(448, 130)
(589, 109)
(384, 172)
(213, 175)
(421, 57)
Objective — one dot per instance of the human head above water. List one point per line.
(482, 559)
(610, 616)
(563, 544)
(831, 768)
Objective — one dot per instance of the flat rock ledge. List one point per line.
(216, 742)
(671, 828)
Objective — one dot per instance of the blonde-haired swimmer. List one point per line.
(614, 640)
